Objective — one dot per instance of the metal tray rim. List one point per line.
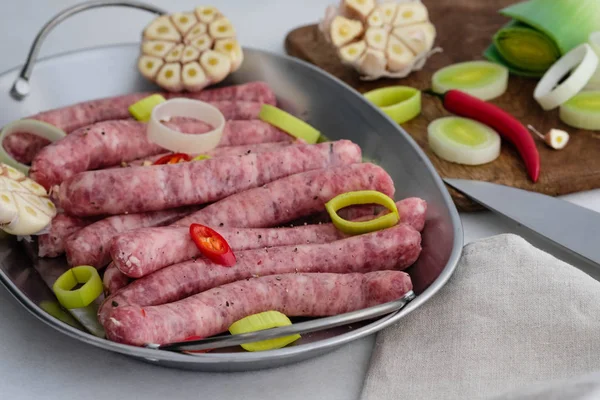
(218, 358)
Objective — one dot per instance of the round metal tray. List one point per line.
(325, 102)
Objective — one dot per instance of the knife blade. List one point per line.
(568, 225)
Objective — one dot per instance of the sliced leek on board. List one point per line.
(582, 111)
(463, 141)
(482, 79)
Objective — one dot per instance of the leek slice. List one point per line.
(594, 42)
(288, 123)
(482, 79)
(401, 103)
(262, 321)
(582, 111)
(560, 25)
(463, 141)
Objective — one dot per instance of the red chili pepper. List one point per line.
(506, 125)
(172, 159)
(212, 245)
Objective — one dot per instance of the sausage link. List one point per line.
(160, 187)
(295, 295)
(90, 245)
(52, 244)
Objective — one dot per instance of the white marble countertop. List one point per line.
(38, 362)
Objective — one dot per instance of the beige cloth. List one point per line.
(510, 316)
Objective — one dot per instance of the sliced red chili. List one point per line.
(212, 245)
(172, 159)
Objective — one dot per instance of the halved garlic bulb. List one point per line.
(25, 208)
(189, 50)
(399, 36)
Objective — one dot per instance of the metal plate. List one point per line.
(325, 102)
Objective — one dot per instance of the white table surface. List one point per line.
(38, 362)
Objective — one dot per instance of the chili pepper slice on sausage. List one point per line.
(172, 159)
(506, 125)
(212, 245)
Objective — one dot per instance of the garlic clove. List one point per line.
(221, 28)
(169, 77)
(216, 65)
(557, 139)
(183, 21)
(359, 9)
(34, 187)
(206, 14)
(419, 37)
(189, 53)
(194, 78)
(388, 12)
(372, 63)
(344, 30)
(8, 207)
(410, 13)
(157, 48)
(162, 29)
(202, 43)
(197, 30)
(12, 173)
(175, 54)
(399, 56)
(376, 38)
(352, 52)
(149, 66)
(375, 19)
(232, 48)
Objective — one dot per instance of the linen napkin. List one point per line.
(510, 316)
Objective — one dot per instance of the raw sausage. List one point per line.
(99, 146)
(90, 245)
(290, 198)
(114, 279)
(143, 251)
(160, 187)
(394, 248)
(218, 152)
(170, 245)
(52, 244)
(24, 146)
(294, 295)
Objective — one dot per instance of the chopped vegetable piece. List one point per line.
(83, 296)
(506, 125)
(143, 108)
(582, 111)
(555, 138)
(463, 141)
(480, 79)
(212, 245)
(525, 49)
(288, 123)
(172, 159)
(201, 157)
(262, 321)
(181, 142)
(25, 208)
(54, 309)
(35, 127)
(560, 25)
(401, 103)
(357, 198)
(581, 62)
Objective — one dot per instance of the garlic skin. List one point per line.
(398, 35)
(190, 50)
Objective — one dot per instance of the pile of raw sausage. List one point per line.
(124, 214)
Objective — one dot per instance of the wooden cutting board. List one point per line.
(464, 30)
